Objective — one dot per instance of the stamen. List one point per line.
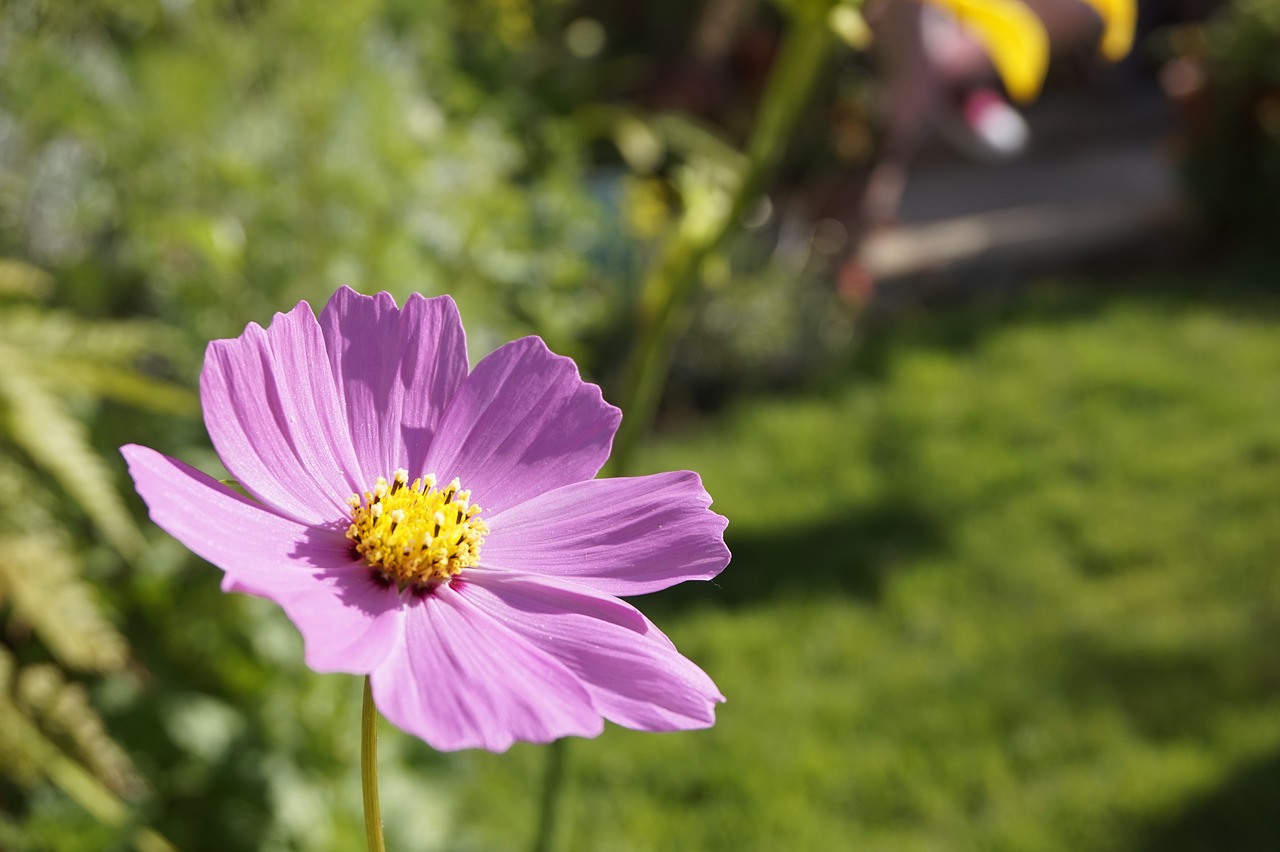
(414, 535)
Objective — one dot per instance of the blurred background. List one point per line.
(989, 389)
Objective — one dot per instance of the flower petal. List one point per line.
(635, 675)
(627, 536)
(1119, 18)
(1014, 37)
(348, 622)
(457, 679)
(522, 423)
(396, 370)
(276, 419)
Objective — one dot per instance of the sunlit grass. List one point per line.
(1009, 582)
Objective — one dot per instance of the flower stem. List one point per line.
(674, 277)
(369, 771)
(552, 785)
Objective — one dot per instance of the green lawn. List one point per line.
(1008, 582)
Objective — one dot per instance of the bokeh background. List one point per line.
(994, 411)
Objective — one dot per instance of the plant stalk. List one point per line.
(675, 275)
(552, 784)
(369, 771)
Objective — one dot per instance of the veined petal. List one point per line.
(1013, 36)
(524, 644)
(276, 419)
(348, 622)
(634, 674)
(627, 536)
(396, 369)
(458, 679)
(522, 423)
(1118, 20)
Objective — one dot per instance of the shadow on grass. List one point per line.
(1241, 815)
(958, 323)
(1180, 697)
(1170, 694)
(851, 555)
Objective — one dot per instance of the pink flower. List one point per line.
(440, 530)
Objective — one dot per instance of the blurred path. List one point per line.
(1098, 180)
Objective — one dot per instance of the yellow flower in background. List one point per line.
(1118, 19)
(1018, 45)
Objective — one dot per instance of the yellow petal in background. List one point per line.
(1118, 17)
(1014, 38)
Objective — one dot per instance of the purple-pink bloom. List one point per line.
(440, 529)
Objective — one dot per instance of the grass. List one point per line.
(1009, 582)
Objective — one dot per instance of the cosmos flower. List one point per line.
(440, 529)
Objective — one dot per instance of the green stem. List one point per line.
(674, 276)
(369, 771)
(552, 784)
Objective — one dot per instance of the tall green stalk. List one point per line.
(552, 785)
(369, 771)
(674, 277)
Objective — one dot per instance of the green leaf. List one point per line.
(57, 442)
(40, 576)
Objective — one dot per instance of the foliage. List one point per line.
(60, 490)
(1234, 163)
(214, 161)
(766, 314)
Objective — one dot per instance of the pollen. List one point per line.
(415, 534)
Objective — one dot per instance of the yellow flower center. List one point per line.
(413, 534)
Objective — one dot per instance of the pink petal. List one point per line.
(276, 419)
(625, 536)
(348, 622)
(457, 679)
(522, 423)
(633, 672)
(396, 370)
